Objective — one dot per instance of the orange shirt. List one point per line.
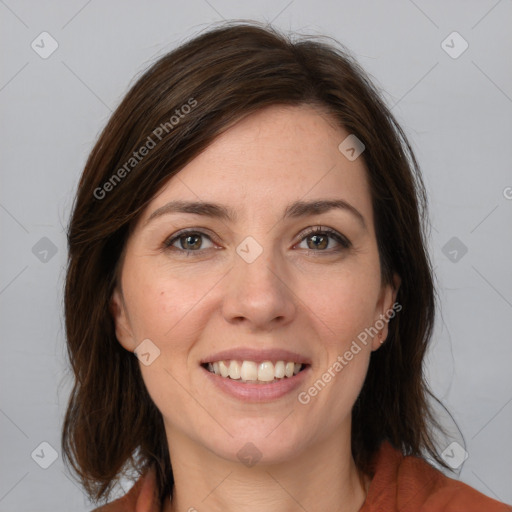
(399, 484)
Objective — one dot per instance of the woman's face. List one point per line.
(246, 281)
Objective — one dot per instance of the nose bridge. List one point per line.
(256, 264)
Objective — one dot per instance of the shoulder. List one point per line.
(409, 483)
(142, 496)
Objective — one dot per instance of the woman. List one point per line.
(249, 297)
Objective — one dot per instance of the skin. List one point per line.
(314, 301)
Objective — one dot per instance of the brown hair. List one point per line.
(111, 423)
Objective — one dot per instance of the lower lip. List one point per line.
(257, 392)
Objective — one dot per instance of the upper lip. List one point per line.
(258, 356)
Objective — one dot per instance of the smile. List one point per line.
(252, 372)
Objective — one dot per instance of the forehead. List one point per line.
(277, 155)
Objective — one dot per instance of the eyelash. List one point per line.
(318, 230)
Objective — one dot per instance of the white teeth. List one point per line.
(279, 370)
(249, 371)
(224, 370)
(266, 371)
(234, 370)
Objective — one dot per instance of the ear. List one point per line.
(385, 311)
(118, 311)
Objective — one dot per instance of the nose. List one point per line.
(259, 293)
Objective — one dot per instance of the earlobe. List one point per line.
(122, 325)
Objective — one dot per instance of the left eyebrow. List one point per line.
(294, 210)
(308, 208)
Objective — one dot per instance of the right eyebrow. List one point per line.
(196, 207)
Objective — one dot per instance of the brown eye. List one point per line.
(319, 239)
(187, 241)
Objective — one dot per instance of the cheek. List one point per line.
(161, 299)
(343, 313)
(342, 303)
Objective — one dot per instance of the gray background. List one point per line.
(456, 111)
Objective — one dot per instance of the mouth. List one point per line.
(253, 372)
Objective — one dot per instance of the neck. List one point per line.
(324, 477)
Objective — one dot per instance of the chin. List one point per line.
(257, 444)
